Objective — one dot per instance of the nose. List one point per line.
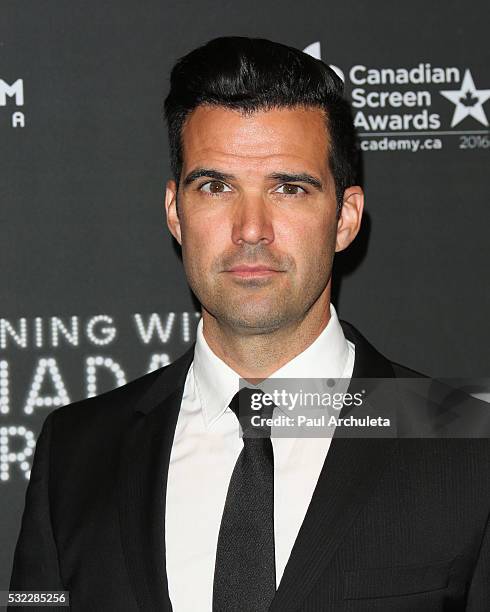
(252, 221)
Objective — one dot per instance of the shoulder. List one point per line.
(112, 408)
(425, 408)
(434, 408)
(82, 440)
(402, 371)
(107, 415)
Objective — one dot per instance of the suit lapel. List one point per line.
(142, 483)
(349, 474)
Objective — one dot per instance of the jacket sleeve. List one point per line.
(479, 591)
(35, 565)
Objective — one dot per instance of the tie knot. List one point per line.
(253, 408)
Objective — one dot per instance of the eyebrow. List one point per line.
(302, 177)
(285, 177)
(208, 173)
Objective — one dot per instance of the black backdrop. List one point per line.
(92, 289)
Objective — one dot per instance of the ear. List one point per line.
(349, 221)
(173, 221)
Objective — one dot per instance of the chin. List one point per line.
(254, 322)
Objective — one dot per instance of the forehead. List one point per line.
(293, 138)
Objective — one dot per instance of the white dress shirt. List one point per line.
(204, 452)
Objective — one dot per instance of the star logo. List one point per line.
(468, 101)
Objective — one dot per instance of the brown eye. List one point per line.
(289, 189)
(214, 187)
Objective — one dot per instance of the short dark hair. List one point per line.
(250, 74)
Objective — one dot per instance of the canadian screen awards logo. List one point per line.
(12, 97)
(415, 108)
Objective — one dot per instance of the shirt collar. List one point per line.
(217, 383)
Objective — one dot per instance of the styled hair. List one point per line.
(251, 74)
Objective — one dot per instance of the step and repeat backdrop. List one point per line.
(92, 288)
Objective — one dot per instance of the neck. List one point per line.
(256, 356)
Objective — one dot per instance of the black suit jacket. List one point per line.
(398, 525)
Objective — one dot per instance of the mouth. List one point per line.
(252, 271)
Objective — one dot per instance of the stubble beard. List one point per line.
(279, 308)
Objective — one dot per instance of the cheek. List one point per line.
(307, 240)
(203, 241)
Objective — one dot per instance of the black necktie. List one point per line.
(245, 571)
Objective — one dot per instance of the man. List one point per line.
(147, 498)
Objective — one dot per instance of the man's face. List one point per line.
(256, 191)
